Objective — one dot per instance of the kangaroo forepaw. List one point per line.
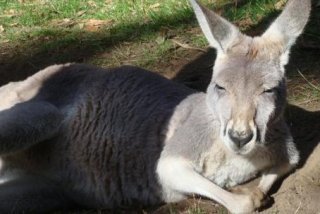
(255, 199)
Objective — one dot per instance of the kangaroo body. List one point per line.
(77, 135)
(103, 152)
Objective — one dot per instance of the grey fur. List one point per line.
(80, 135)
(111, 124)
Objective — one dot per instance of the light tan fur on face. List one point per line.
(242, 115)
(262, 47)
(22, 91)
(255, 48)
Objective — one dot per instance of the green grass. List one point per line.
(39, 15)
(56, 26)
(40, 12)
(304, 92)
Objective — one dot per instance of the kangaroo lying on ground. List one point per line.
(79, 135)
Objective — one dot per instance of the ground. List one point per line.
(299, 192)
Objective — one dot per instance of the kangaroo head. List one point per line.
(248, 91)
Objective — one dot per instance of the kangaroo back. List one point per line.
(111, 131)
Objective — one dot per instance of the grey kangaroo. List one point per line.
(77, 135)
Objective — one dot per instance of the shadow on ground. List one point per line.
(17, 63)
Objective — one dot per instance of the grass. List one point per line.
(39, 12)
(128, 32)
(304, 90)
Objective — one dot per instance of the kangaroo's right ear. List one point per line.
(220, 33)
(289, 25)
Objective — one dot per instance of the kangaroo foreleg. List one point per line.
(269, 177)
(272, 175)
(178, 175)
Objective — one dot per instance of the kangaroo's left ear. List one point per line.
(220, 33)
(289, 25)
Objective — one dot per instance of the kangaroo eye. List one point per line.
(220, 87)
(269, 91)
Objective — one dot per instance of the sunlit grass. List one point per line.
(55, 25)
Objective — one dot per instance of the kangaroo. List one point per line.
(74, 135)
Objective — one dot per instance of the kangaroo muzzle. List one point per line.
(239, 133)
(240, 138)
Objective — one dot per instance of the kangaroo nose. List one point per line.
(240, 138)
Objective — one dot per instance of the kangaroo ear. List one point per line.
(220, 33)
(289, 25)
